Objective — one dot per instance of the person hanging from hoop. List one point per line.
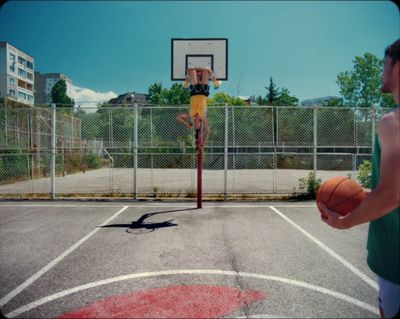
(197, 80)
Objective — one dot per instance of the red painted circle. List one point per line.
(197, 301)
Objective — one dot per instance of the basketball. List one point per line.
(341, 194)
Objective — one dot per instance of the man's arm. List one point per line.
(186, 82)
(214, 79)
(386, 196)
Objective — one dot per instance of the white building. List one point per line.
(16, 74)
(44, 84)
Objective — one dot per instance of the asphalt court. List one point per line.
(134, 259)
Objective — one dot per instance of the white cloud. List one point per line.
(86, 97)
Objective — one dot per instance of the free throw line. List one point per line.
(355, 270)
(53, 263)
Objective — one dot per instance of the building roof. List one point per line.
(54, 75)
(129, 97)
(318, 100)
(4, 44)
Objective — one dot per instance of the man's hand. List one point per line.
(332, 218)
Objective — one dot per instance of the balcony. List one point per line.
(25, 85)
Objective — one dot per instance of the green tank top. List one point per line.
(384, 233)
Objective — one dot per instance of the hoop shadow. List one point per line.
(140, 224)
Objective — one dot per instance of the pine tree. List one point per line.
(272, 93)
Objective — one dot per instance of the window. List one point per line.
(12, 57)
(12, 68)
(21, 60)
(30, 76)
(21, 95)
(30, 97)
(12, 92)
(12, 81)
(21, 72)
(29, 65)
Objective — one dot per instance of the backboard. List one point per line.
(199, 52)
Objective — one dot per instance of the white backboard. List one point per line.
(200, 52)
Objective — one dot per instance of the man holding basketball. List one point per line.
(381, 206)
(197, 79)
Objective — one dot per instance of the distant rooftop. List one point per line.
(4, 44)
(129, 97)
(318, 101)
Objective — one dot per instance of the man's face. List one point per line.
(390, 77)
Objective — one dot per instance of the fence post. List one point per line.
(5, 123)
(275, 132)
(135, 150)
(226, 158)
(151, 145)
(373, 120)
(110, 128)
(355, 142)
(315, 141)
(53, 151)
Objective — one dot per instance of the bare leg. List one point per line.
(208, 131)
(197, 121)
(192, 76)
(184, 118)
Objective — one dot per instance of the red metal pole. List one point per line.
(199, 167)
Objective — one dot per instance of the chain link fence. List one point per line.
(142, 151)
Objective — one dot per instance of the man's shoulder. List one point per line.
(389, 127)
(391, 118)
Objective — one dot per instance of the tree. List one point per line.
(335, 102)
(156, 94)
(272, 92)
(177, 95)
(90, 124)
(285, 99)
(361, 87)
(261, 100)
(276, 96)
(59, 95)
(222, 98)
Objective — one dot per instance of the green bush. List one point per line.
(93, 161)
(365, 174)
(13, 167)
(308, 187)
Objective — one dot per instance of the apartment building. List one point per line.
(44, 84)
(16, 74)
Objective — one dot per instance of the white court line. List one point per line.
(297, 283)
(157, 206)
(260, 206)
(100, 206)
(53, 263)
(355, 270)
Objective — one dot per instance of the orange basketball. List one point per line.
(341, 194)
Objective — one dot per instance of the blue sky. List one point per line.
(125, 46)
